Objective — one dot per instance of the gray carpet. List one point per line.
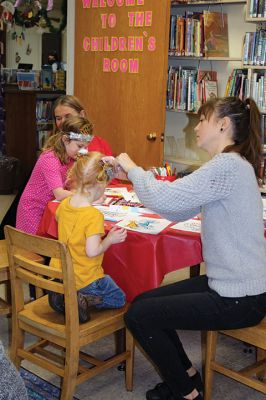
(110, 384)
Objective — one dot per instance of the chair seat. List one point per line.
(254, 335)
(39, 315)
(253, 374)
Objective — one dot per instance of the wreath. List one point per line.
(29, 19)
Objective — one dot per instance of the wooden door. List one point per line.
(121, 58)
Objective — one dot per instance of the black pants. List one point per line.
(154, 317)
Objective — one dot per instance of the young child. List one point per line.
(48, 177)
(81, 227)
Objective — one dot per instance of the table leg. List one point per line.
(120, 346)
(194, 270)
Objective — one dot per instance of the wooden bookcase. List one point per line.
(180, 145)
(22, 126)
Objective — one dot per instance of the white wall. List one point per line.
(33, 39)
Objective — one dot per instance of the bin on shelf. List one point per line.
(8, 174)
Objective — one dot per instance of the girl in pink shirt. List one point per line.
(48, 177)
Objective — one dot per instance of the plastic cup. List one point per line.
(165, 178)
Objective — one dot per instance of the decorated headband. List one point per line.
(80, 137)
(84, 134)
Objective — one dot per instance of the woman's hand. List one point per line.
(119, 173)
(125, 162)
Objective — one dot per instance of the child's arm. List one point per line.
(96, 246)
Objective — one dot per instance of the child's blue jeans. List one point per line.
(111, 294)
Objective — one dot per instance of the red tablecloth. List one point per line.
(141, 262)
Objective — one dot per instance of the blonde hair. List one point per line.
(74, 124)
(87, 171)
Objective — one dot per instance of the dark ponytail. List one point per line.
(246, 123)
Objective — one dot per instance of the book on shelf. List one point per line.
(189, 87)
(44, 110)
(257, 9)
(248, 83)
(254, 48)
(215, 34)
(199, 33)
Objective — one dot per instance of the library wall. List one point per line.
(17, 46)
(179, 132)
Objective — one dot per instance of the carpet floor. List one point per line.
(38, 388)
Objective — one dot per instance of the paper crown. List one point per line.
(84, 134)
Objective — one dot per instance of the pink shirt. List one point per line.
(48, 174)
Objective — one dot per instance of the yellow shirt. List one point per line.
(74, 226)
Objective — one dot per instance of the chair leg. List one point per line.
(70, 373)
(261, 355)
(17, 342)
(210, 357)
(130, 361)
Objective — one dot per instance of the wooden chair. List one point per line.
(53, 329)
(251, 375)
(5, 303)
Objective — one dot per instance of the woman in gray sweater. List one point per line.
(226, 193)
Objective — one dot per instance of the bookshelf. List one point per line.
(2, 65)
(28, 121)
(184, 154)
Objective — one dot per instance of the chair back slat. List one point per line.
(23, 269)
(35, 244)
(37, 268)
(39, 281)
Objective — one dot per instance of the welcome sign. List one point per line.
(128, 46)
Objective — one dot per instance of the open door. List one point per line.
(121, 58)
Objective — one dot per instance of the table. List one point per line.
(139, 263)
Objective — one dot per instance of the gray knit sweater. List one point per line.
(226, 192)
(11, 384)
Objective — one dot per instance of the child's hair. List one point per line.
(73, 124)
(246, 122)
(68, 101)
(88, 170)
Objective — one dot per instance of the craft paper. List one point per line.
(191, 225)
(144, 224)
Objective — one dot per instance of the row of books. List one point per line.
(257, 9)
(263, 132)
(254, 52)
(247, 83)
(188, 88)
(199, 34)
(44, 110)
(42, 136)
